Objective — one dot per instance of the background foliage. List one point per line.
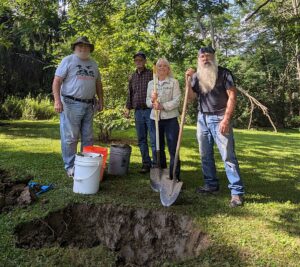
(259, 45)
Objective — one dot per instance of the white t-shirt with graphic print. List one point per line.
(79, 77)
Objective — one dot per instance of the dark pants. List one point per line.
(168, 129)
(142, 126)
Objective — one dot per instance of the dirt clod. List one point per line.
(26, 197)
(139, 236)
(13, 193)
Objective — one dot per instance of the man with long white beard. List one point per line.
(216, 93)
(77, 80)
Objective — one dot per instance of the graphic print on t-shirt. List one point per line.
(85, 72)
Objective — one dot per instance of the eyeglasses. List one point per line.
(139, 60)
(84, 45)
(207, 49)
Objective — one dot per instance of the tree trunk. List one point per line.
(201, 26)
(212, 31)
(296, 13)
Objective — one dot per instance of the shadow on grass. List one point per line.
(289, 221)
(219, 255)
(31, 129)
(282, 189)
(261, 179)
(42, 166)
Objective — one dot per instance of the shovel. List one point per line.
(170, 189)
(156, 172)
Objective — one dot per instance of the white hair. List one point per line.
(164, 60)
(207, 75)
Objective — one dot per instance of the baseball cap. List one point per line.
(206, 49)
(140, 54)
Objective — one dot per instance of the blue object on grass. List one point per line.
(43, 188)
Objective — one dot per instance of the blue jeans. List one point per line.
(142, 126)
(76, 120)
(207, 134)
(170, 129)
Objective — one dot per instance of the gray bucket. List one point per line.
(119, 158)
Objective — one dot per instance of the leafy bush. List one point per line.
(109, 120)
(12, 108)
(40, 108)
(292, 122)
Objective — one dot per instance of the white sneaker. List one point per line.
(70, 172)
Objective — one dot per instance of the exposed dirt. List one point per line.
(14, 193)
(140, 237)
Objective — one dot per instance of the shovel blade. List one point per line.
(169, 191)
(156, 175)
(155, 179)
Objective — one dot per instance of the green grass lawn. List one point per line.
(265, 232)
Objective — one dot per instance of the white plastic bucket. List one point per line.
(86, 173)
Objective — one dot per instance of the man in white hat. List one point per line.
(77, 80)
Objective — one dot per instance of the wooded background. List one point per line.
(258, 40)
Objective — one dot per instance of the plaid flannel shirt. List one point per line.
(137, 89)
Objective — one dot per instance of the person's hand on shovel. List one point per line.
(154, 97)
(188, 76)
(155, 104)
(189, 73)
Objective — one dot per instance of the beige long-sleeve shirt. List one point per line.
(168, 96)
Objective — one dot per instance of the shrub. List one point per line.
(109, 120)
(12, 108)
(292, 122)
(40, 108)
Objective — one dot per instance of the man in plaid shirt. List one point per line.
(136, 99)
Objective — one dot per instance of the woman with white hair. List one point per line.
(166, 100)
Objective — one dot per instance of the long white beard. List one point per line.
(207, 76)
(83, 55)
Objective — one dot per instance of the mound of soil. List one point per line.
(14, 193)
(139, 236)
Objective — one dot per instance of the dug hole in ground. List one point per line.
(138, 236)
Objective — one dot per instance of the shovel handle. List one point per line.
(184, 108)
(156, 119)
